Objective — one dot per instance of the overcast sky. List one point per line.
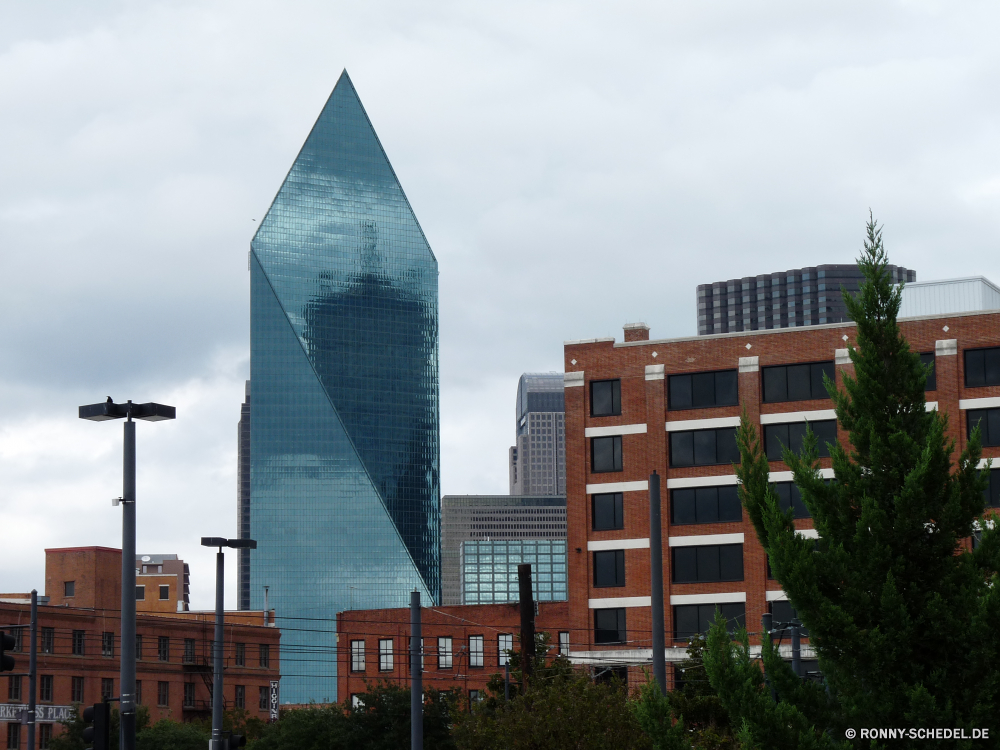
(575, 166)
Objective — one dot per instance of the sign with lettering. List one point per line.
(19, 712)
(274, 700)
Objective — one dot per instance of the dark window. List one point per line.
(107, 644)
(14, 688)
(609, 625)
(69, 588)
(982, 367)
(13, 736)
(694, 619)
(189, 689)
(140, 593)
(107, 688)
(703, 447)
(989, 424)
(162, 693)
(606, 453)
(609, 568)
(45, 688)
(44, 736)
(928, 359)
(708, 562)
(241, 696)
(703, 389)
(796, 382)
(264, 655)
(138, 691)
(164, 592)
(992, 493)
(138, 646)
(241, 654)
(609, 511)
(605, 398)
(76, 690)
(777, 437)
(705, 505)
(789, 496)
(263, 698)
(782, 612)
(189, 648)
(48, 640)
(163, 648)
(79, 638)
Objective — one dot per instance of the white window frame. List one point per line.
(357, 656)
(445, 658)
(385, 655)
(564, 643)
(505, 642)
(477, 648)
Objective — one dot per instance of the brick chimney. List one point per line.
(636, 332)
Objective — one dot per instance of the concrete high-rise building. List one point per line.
(537, 460)
(784, 299)
(344, 434)
(243, 501)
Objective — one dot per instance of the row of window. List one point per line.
(69, 590)
(705, 563)
(610, 625)
(445, 654)
(44, 736)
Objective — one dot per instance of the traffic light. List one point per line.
(234, 741)
(99, 715)
(7, 643)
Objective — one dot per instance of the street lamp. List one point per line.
(150, 413)
(220, 570)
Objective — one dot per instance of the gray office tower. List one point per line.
(503, 520)
(785, 299)
(537, 460)
(344, 431)
(243, 501)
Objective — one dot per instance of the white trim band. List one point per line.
(979, 403)
(702, 424)
(682, 482)
(735, 596)
(642, 486)
(621, 601)
(698, 539)
(609, 544)
(787, 476)
(931, 405)
(841, 357)
(982, 463)
(946, 347)
(749, 364)
(655, 372)
(617, 429)
(572, 379)
(776, 596)
(798, 416)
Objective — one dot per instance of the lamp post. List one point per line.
(220, 571)
(150, 413)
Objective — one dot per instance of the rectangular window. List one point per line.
(138, 646)
(241, 696)
(48, 645)
(694, 619)
(69, 588)
(703, 447)
(608, 511)
(609, 625)
(989, 424)
(241, 654)
(609, 568)
(476, 651)
(13, 736)
(444, 652)
(703, 389)
(475, 696)
(264, 655)
(707, 563)
(107, 644)
(164, 592)
(605, 398)
(796, 382)
(777, 437)
(705, 505)
(107, 688)
(45, 683)
(928, 359)
(357, 656)
(189, 649)
(789, 496)
(76, 690)
(189, 689)
(505, 644)
(992, 493)
(782, 613)
(44, 736)
(14, 688)
(564, 643)
(263, 698)
(162, 693)
(140, 593)
(163, 648)
(606, 453)
(385, 655)
(79, 639)
(982, 367)
(138, 691)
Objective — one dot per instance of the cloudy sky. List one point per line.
(575, 166)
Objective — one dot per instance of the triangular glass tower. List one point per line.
(344, 437)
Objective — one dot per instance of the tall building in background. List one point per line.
(344, 435)
(784, 299)
(537, 460)
(243, 501)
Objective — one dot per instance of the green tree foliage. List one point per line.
(71, 738)
(171, 735)
(902, 615)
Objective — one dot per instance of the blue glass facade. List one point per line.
(344, 448)
(489, 570)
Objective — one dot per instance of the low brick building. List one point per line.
(79, 647)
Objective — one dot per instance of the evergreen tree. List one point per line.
(903, 616)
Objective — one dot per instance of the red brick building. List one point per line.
(462, 645)
(79, 646)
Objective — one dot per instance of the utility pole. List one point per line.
(416, 676)
(656, 575)
(32, 669)
(526, 604)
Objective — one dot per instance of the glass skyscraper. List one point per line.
(344, 446)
